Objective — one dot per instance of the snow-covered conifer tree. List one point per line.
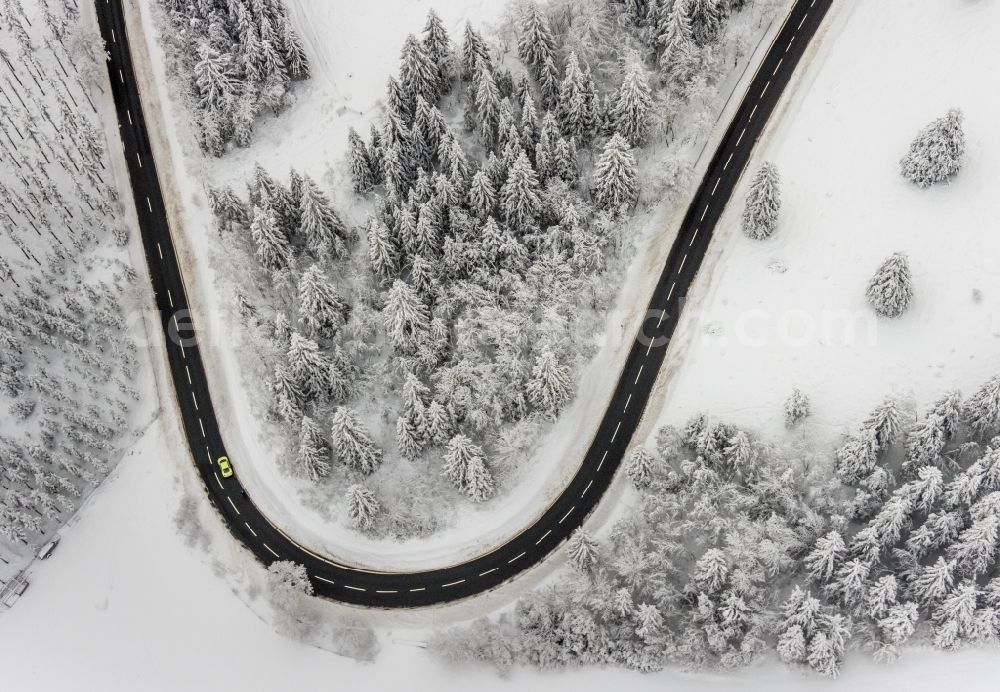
(615, 176)
(982, 410)
(473, 51)
(482, 195)
(639, 467)
(361, 165)
(438, 47)
(576, 107)
(760, 215)
(706, 19)
(351, 442)
(321, 309)
(465, 466)
(405, 317)
(214, 78)
(272, 248)
(323, 228)
(418, 75)
(362, 506)
(311, 460)
(520, 199)
(582, 551)
(891, 288)
(936, 153)
(675, 34)
(408, 439)
(631, 111)
(711, 571)
(535, 43)
(549, 387)
(826, 557)
(309, 368)
(796, 408)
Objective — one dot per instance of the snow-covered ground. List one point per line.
(353, 52)
(791, 311)
(126, 603)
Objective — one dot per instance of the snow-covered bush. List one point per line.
(936, 153)
(890, 290)
(760, 215)
(796, 408)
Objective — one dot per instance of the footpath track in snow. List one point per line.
(610, 442)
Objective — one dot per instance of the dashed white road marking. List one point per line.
(672, 287)
(233, 504)
(113, 39)
(452, 583)
(601, 463)
(255, 535)
(209, 455)
(703, 212)
(803, 19)
(650, 347)
(202, 426)
(121, 76)
(752, 112)
(184, 354)
(217, 480)
(615, 434)
(789, 43)
(586, 489)
(129, 114)
(716, 186)
(567, 514)
(170, 298)
(188, 371)
(419, 588)
(740, 138)
(149, 204)
(139, 159)
(515, 559)
(683, 260)
(353, 588)
(778, 66)
(627, 401)
(641, 365)
(663, 313)
(483, 574)
(726, 164)
(386, 591)
(195, 400)
(328, 581)
(159, 249)
(544, 536)
(764, 90)
(269, 549)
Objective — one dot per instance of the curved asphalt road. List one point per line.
(537, 540)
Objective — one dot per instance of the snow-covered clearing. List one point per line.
(126, 603)
(353, 52)
(766, 317)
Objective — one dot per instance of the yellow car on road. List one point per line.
(225, 467)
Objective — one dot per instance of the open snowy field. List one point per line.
(126, 603)
(790, 311)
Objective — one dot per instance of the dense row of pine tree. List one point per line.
(241, 56)
(67, 363)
